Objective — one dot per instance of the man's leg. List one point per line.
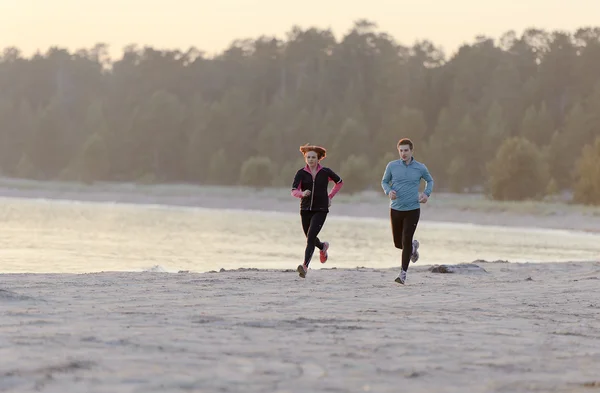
(410, 226)
(397, 221)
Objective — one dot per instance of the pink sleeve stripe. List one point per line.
(297, 193)
(336, 189)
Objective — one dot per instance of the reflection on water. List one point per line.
(76, 237)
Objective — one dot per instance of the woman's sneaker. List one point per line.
(323, 253)
(302, 270)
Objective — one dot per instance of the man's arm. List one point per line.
(387, 178)
(428, 181)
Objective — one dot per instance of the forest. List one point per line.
(516, 117)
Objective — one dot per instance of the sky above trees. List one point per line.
(211, 26)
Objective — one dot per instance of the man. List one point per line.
(400, 183)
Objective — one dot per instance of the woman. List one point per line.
(310, 185)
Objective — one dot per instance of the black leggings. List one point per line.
(312, 222)
(404, 224)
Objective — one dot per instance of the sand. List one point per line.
(513, 328)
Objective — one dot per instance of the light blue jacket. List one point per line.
(405, 180)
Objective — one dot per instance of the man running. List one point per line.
(400, 183)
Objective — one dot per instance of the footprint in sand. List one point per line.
(239, 369)
(312, 371)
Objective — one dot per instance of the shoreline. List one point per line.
(447, 208)
(477, 266)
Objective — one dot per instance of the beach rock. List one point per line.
(496, 261)
(463, 268)
(9, 295)
(592, 384)
(587, 278)
(240, 269)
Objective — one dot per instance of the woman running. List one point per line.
(310, 184)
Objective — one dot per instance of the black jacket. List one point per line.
(318, 200)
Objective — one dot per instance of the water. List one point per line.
(40, 236)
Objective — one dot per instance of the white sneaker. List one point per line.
(401, 279)
(415, 254)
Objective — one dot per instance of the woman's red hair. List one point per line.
(321, 152)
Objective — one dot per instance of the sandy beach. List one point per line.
(505, 328)
(495, 327)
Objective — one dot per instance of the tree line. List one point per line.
(516, 117)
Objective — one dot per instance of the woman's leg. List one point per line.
(317, 220)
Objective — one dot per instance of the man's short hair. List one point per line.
(405, 141)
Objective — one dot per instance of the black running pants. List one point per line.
(312, 223)
(404, 224)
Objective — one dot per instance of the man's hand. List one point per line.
(423, 197)
(392, 195)
(305, 193)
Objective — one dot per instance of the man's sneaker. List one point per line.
(302, 269)
(401, 279)
(323, 254)
(415, 254)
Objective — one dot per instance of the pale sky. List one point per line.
(211, 25)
